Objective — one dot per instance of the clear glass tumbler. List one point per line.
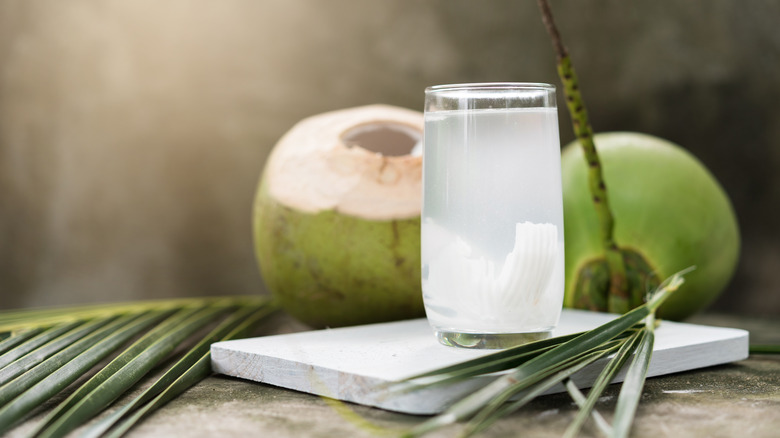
(492, 217)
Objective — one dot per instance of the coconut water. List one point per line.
(492, 221)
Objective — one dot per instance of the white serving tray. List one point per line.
(354, 364)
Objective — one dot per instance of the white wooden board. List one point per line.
(353, 363)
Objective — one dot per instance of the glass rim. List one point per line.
(488, 86)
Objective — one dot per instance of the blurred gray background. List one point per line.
(133, 133)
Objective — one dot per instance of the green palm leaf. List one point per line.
(499, 361)
(45, 351)
(14, 321)
(14, 339)
(125, 370)
(59, 371)
(497, 410)
(187, 367)
(580, 400)
(34, 343)
(624, 335)
(631, 391)
(606, 376)
(195, 373)
(26, 359)
(765, 349)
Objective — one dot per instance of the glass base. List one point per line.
(489, 340)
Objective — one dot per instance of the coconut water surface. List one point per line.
(492, 221)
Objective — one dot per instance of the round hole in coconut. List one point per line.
(386, 138)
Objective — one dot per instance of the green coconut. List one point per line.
(670, 214)
(337, 217)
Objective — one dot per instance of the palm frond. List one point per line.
(498, 408)
(499, 361)
(12, 321)
(608, 373)
(579, 400)
(12, 339)
(764, 349)
(45, 351)
(43, 338)
(631, 390)
(24, 358)
(125, 370)
(23, 394)
(193, 375)
(190, 369)
(545, 364)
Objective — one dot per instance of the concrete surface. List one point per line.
(736, 400)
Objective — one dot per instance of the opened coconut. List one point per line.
(337, 217)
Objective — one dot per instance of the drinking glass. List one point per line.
(492, 216)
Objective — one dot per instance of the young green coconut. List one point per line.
(337, 217)
(665, 212)
(670, 214)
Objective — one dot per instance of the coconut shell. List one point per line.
(337, 224)
(667, 207)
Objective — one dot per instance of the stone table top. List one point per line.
(735, 400)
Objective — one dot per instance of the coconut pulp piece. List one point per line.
(511, 297)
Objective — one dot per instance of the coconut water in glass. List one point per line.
(492, 217)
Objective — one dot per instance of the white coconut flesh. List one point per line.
(358, 162)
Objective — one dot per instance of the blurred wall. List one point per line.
(132, 133)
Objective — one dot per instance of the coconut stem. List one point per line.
(618, 299)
